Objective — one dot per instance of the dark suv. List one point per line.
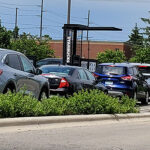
(123, 79)
(16, 72)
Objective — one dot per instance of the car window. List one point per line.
(135, 71)
(144, 69)
(57, 70)
(90, 76)
(110, 70)
(27, 66)
(82, 74)
(130, 71)
(12, 60)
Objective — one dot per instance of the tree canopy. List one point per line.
(111, 56)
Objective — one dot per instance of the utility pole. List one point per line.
(16, 19)
(0, 23)
(88, 24)
(88, 38)
(69, 11)
(41, 25)
(16, 22)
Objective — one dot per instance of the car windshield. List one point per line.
(110, 70)
(58, 70)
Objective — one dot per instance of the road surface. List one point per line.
(106, 135)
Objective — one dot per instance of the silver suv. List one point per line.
(16, 72)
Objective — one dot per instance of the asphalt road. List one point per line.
(144, 109)
(114, 135)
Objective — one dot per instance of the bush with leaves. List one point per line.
(83, 102)
(111, 56)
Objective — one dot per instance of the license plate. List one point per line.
(108, 82)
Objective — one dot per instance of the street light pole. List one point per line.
(69, 10)
(41, 24)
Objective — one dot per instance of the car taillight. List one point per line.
(1, 71)
(63, 83)
(95, 75)
(127, 78)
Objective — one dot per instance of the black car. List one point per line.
(123, 79)
(49, 61)
(66, 80)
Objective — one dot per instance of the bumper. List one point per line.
(59, 91)
(118, 93)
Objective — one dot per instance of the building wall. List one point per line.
(94, 48)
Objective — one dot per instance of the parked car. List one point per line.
(49, 61)
(143, 68)
(16, 72)
(123, 79)
(65, 80)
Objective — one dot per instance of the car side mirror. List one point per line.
(38, 71)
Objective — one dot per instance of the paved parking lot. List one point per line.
(144, 109)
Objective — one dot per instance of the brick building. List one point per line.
(95, 47)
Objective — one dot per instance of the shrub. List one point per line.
(83, 102)
(19, 105)
(96, 102)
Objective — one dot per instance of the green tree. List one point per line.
(29, 46)
(146, 30)
(111, 56)
(16, 33)
(142, 55)
(136, 38)
(5, 36)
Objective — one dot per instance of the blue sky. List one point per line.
(118, 13)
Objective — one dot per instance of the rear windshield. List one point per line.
(110, 70)
(144, 69)
(57, 70)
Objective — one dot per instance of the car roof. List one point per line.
(50, 59)
(8, 51)
(117, 64)
(140, 64)
(64, 66)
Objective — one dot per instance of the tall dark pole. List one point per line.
(69, 11)
(88, 38)
(88, 24)
(16, 19)
(16, 22)
(41, 25)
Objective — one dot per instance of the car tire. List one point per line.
(43, 95)
(9, 89)
(146, 99)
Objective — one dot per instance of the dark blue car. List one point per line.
(123, 79)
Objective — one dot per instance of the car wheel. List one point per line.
(43, 95)
(9, 89)
(145, 101)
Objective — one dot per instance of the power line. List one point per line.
(16, 4)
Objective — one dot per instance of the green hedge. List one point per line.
(83, 102)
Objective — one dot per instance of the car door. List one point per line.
(31, 82)
(141, 83)
(91, 79)
(14, 71)
(84, 79)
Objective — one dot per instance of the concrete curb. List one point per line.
(65, 119)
